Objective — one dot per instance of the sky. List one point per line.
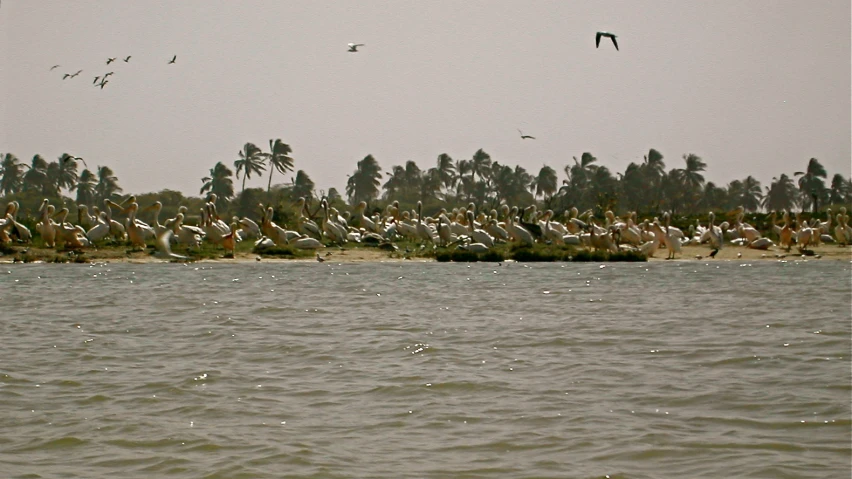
(754, 87)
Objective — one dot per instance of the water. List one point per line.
(670, 369)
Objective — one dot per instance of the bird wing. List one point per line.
(614, 42)
(598, 40)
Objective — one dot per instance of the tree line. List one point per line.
(645, 187)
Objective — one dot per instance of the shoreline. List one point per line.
(359, 254)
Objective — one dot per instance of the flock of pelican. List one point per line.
(464, 228)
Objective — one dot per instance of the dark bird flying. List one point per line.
(127, 59)
(96, 79)
(174, 59)
(605, 34)
(110, 60)
(54, 67)
(353, 47)
(525, 137)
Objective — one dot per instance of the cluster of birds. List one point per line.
(463, 228)
(102, 79)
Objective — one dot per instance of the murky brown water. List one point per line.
(684, 369)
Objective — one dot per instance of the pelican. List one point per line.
(187, 235)
(46, 227)
(110, 60)
(20, 230)
(101, 228)
(611, 36)
(786, 234)
(517, 232)
(163, 241)
(353, 47)
(424, 233)
(761, 243)
(477, 248)
(366, 223)
(478, 235)
(54, 67)
(229, 241)
(306, 242)
(715, 233)
(174, 59)
(127, 59)
(841, 231)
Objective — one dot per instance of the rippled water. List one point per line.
(392, 370)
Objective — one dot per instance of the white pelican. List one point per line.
(761, 243)
(162, 242)
(496, 231)
(715, 233)
(478, 235)
(842, 230)
(517, 232)
(477, 248)
(424, 233)
(186, 235)
(804, 233)
(306, 242)
(330, 229)
(46, 227)
(22, 231)
(229, 241)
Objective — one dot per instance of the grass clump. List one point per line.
(605, 256)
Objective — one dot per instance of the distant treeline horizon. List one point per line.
(645, 187)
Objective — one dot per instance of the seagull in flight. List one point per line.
(608, 35)
(353, 47)
(525, 137)
(54, 67)
(174, 59)
(127, 59)
(110, 60)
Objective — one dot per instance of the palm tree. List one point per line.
(479, 163)
(413, 179)
(396, 182)
(107, 185)
(65, 172)
(811, 183)
(36, 178)
(12, 172)
(464, 183)
(86, 188)
(780, 195)
(219, 182)
(446, 171)
(545, 183)
(841, 189)
(653, 171)
(363, 185)
(279, 159)
(713, 198)
(250, 161)
(751, 194)
(303, 186)
(691, 180)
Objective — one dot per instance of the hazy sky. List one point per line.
(753, 87)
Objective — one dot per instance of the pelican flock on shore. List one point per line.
(465, 227)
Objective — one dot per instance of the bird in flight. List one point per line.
(108, 74)
(353, 47)
(605, 34)
(110, 60)
(103, 83)
(75, 158)
(525, 137)
(66, 76)
(96, 79)
(74, 74)
(54, 67)
(174, 59)
(127, 59)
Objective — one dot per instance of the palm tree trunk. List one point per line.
(269, 185)
(244, 184)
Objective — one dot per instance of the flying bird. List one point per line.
(78, 72)
(108, 74)
(54, 67)
(353, 47)
(605, 34)
(103, 83)
(75, 158)
(525, 137)
(127, 59)
(174, 58)
(110, 60)
(66, 76)
(96, 79)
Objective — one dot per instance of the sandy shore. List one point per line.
(362, 254)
